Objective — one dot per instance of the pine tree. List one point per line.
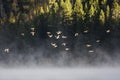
(47, 9)
(53, 17)
(55, 7)
(91, 2)
(96, 6)
(66, 11)
(61, 3)
(68, 8)
(116, 11)
(86, 8)
(94, 10)
(91, 11)
(103, 2)
(41, 11)
(102, 17)
(107, 12)
(78, 10)
(14, 7)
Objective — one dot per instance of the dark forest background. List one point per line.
(79, 28)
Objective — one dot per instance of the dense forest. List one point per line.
(77, 27)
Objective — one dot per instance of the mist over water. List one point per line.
(64, 73)
(62, 67)
(34, 65)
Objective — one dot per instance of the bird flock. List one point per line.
(58, 35)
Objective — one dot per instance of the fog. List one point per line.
(74, 73)
(18, 66)
(26, 62)
(60, 67)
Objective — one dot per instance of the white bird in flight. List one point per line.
(97, 41)
(22, 34)
(64, 37)
(59, 32)
(54, 45)
(63, 44)
(50, 36)
(67, 49)
(86, 31)
(108, 31)
(33, 29)
(6, 50)
(57, 37)
(32, 33)
(76, 34)
(91, 51)
(48, 33)
(88, 45)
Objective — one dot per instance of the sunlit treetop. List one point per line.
(78, 10)
(103, 2)
(102, 17)
(91, 11)
(55, 7)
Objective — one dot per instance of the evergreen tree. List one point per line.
(53, 17)
(116, 11)
(96, 6)
(14, 7)
(61, 3)
(41, 11)
(86, 8)
(78, 10)
(68, 8)
(47, 9)
(91, 2)
(103, 2)
(102, 17)
(12, 18)
(66, 11)
(91, 12)
(55, 7)
(107, 12)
